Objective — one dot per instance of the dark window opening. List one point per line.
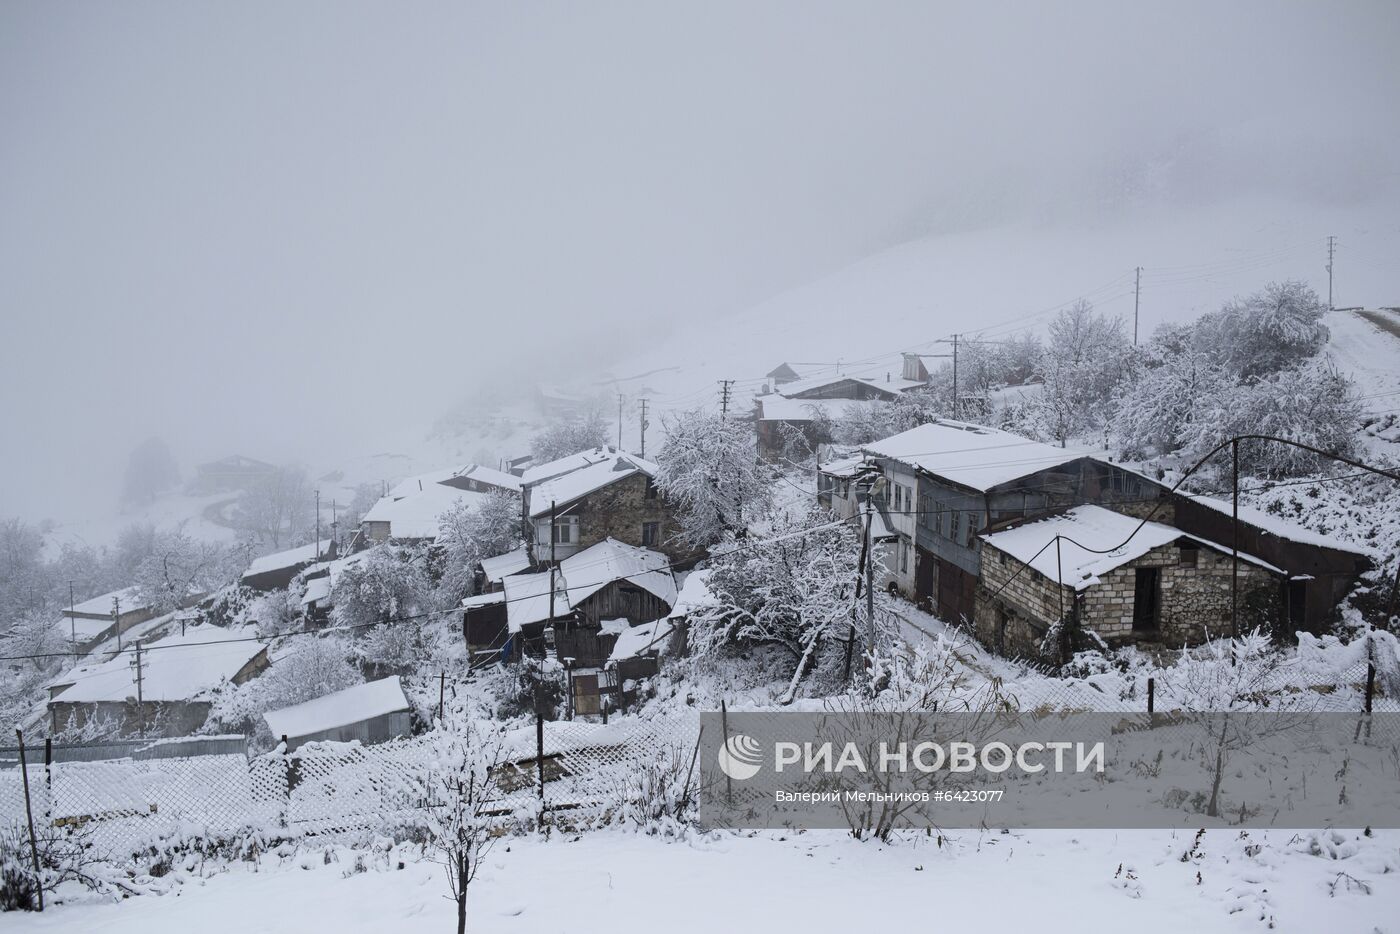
(651, 534)
(1189, 555)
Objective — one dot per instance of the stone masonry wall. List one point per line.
(618, 511)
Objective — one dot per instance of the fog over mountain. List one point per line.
(292, 230)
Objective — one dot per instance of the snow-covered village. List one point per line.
(632, 467)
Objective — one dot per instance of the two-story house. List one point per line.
(577, 501)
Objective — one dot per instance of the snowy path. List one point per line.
(1369, 354)
(816, 882)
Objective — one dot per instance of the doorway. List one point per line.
(1147, 599)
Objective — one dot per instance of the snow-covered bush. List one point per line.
(658, 797)
(386, 600)
(64, 855)
(1164, 403)
(710, 469)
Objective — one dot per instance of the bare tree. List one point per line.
(278, 509)
(151, 470)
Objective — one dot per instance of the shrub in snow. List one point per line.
(386, 600)
(658, 796)
(710, 469)
(64, 855)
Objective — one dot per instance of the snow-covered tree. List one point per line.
(865, 422)
(279, 509)
(461, 800)
(569, 436)
(793, 589)
(23, 681)
(1312, 404)
(1084, 364)
(385, 598)
(24, 579)
(1159, 409)
(1275, 328)
(180, 566)
(710, 469)
(467, 534)
(150, 470)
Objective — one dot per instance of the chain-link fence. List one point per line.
(568, 774)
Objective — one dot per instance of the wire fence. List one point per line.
(567, 774)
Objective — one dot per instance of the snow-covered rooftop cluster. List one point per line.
(415, 514)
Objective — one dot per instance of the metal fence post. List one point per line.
(539, 759)
(1151, 698)
(724, 739)
(29, 813)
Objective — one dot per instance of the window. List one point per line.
(566, 530)
(955, 527)
(904, 556)
(651, 534)
(1189, 555)
(651, 488)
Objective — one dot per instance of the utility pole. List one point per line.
(318, 525)
(117, 620)
(1331, 251)
(553, 537)
(644, 424)
(1234, 542)
(72, 620)
(619, 421)
(724, 387)
(1137, 299)
(955, 378)
(140, 699)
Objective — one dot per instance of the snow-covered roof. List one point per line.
(1085, 532)
(84, 630)
(178, 667)
(578, 483)
(694, 594)
(584, 574)
(970, 455)
(341, 708)
(415, 515)
(843, 467)
(318, 588)
(874, 380)
(776, 408)
(102, 606)
(484, 599)
(638, 640)
(1275, 525)
(304, 554)
(563, 465)
(512, 562)
(489, 475)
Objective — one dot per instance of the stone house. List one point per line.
(1109, 574)
(947, 482)
(576, 502)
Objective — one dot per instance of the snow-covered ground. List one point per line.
(621, 882)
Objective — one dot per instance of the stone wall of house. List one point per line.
(619, 510)
(1194, 606)
(151, 718)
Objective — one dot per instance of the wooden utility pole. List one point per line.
(644, 424)
(117, 620)
(318, 526)
(955, 378)
(72, 620)
(619, 421)
(1137, 297)
(1331, 252)
(1234, 541)
(724, 388)
(140, 697)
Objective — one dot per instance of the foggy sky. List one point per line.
(266, 227)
